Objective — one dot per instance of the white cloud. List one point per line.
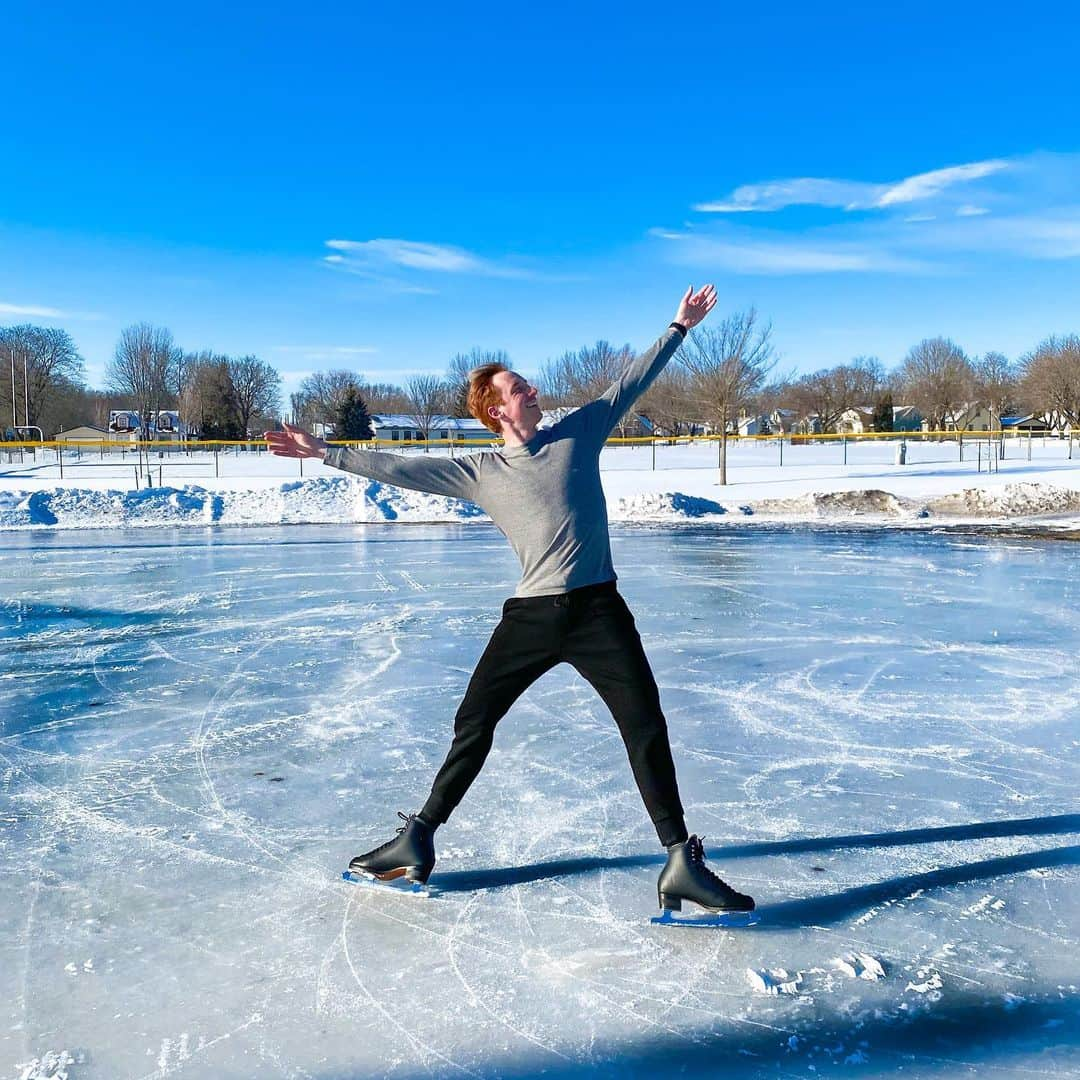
(849, 194)
(384, 259)
(925, 185)
(773, 256)
(33, 311)
(1021, 209)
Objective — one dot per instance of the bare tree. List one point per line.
(939, 379)
(728, 363)
(256, 389)
(669, 402)
(577, 377)
(457, 376)
(51, 365)
(144, 367)
(996, 384)
(1051, 380)
(321, 395)
(427, 400)
(386, 398)
(831, 392)
(208, 401)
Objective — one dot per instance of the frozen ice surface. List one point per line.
(877, 732)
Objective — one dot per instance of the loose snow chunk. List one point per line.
(931, 982)
(861, 966)
(773, 981)
(51, 1066)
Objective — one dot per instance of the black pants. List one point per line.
(592, 629)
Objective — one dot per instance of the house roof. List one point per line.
(449, 422)
(83, 427)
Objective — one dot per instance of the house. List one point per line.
(906, 418)
(859, 420)
(856, 421)
(752, 425)
(87, 433)
(124, 424)
(783, 421)
(1036, 424)
(394, 427)
(169, 427)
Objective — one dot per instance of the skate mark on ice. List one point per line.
(426, 1051)
(478, 999)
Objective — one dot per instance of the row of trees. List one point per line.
(219, 396)
(725, 370)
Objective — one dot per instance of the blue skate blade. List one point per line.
(410, 888)
(724, 920)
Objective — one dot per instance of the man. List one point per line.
(543, 491)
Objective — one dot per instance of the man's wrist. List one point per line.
(681, 327)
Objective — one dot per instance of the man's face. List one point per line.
(519, 405)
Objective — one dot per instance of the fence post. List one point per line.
(301, 460)
(781, 440)
(653, 440)
(845, 449)
(980, 456)
(961, 442)
(216, 461)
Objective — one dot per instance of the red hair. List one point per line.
(482, 395)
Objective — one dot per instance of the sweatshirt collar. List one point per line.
(526, 449)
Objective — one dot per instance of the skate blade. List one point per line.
(406, 888)
(724, 920)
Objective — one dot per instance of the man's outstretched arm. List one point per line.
(438, 476)
(613, 403)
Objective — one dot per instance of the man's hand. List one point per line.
(694, 307)
(292, 442)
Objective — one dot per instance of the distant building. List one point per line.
(860, 420)
(394, 427)
(87, 433)
(124, 424)
(169, 427)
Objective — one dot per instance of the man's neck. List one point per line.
(518, 434)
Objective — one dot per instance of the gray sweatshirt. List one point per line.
(545, 496)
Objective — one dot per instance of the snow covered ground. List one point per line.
(813, 483)
(875, 729)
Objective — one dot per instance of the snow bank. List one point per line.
(344, 500)
(308, 502)
(1013, 500)
(831, 504)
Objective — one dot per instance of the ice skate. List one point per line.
(408, 858)
(686, 877)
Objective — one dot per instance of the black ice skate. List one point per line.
(410, 855)
(686, 877)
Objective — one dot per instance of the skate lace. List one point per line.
(697, 856)
(407, 819)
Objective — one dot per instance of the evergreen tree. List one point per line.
(883, 413)
(351, 419)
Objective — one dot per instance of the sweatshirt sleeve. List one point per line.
(613, 404)
(455, 477)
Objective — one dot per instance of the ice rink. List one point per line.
(877, 732)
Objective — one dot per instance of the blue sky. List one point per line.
(378, 187)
